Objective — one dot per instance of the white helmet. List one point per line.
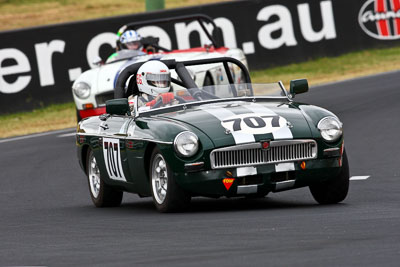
(153, 78)
(131, 40)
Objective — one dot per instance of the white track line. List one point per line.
(34, 135)
(358, 178)
(67, 134)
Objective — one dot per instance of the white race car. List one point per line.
(95, 86)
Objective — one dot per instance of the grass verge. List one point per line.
(53, 117)
(330, 69)
(317, 71)
(27, 13)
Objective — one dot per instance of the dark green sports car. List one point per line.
(232, 140)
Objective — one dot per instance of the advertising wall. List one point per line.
(38, 65)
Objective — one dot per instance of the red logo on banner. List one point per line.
(228, 182)
(380, 19)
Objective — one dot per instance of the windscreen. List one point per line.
(124, 54)
(179, 95)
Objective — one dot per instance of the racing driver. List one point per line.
(154, 83)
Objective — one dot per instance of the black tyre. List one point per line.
(167, 195)
(101, 194)
(334, 190)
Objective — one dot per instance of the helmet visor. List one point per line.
(159, 80)
(135, 45)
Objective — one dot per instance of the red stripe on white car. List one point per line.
(92, 112)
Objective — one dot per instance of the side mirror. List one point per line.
(298, 86)
(119, 106)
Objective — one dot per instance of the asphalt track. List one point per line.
(47, 218)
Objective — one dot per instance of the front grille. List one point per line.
(102, 98)
(253, 154)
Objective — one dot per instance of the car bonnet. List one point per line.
(240, 122)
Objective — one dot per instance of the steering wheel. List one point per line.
(160, 101)
(197, 95)
(181, 100)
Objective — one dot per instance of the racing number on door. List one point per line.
(112, 159)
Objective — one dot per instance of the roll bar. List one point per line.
(183, 74)
(215, 40)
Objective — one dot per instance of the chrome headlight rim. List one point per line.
(323, 130)
(79, 87)
(178, 144)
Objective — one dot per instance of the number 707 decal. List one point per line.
(112, 159)
(254, 123)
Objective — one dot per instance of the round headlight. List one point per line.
(330, 128)
(81, 90)
(186, 144)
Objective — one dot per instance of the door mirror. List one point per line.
(298, 86)
(119, 106)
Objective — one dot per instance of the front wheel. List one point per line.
(334, 190)
(167, 195)
(101, 194)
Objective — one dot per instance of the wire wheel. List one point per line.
(159, 178)
(102, 195)
(94, 176)
(168, 196)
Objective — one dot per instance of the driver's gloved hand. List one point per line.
(151, 103)
(167, 97)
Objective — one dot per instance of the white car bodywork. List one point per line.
(101, 80)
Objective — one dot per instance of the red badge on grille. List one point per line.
(228, 182)
(265, 145)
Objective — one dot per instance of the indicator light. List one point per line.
(303, 165)
(88, 106)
